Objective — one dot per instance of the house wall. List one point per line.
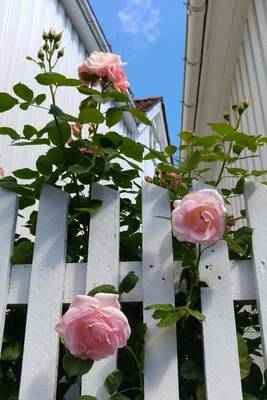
(250, 80)
(21, 35)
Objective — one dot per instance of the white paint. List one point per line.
(158, 287)
(255, 197)
(103, 267)
(40, 358)
(8, 218)
(222, 372)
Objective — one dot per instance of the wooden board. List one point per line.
(222, 373)
(161, 365)
(40, 359)
(8, 218)
(256, 201)
(103, 268)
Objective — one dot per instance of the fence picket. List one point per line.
(103, 267)
(8, 218)
(39, 368)
(161, 373)
(222, 373)
(256, 200)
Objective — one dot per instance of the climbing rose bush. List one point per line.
(94, 327)
(199, 217)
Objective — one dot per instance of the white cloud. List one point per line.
(140, 18)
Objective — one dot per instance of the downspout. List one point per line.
(195, 30)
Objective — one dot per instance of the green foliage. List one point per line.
(74, 366)
(113, 381)
(102, 289)
(7, 102)
(23, 92)
(128, 283)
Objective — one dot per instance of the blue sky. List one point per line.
(149, 34)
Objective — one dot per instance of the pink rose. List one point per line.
(199, 217)
(75, 132)
(118, 77)
(148, 179)
(94, 327)
(98, 63)
(1, 172)
(170, 179)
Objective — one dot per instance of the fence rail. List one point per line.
(49, 282)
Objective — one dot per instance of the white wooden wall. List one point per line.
(50, 277)
(250, 80)
(22, 26)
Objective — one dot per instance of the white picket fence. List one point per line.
(49, 282)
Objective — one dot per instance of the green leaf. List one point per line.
(91, 206)
(239, 187)
(168, 168)
(44, 165)
(170, 317)
(113, 116)
(192, 161)
(244, 359)
(50, 78)
(25, 173)
(88, 115)
(170, 150)
(128, 282)
(39, 99)
(237, 171)
(132, 149)
(162, 307)
(5, 130)
(22, 253)
(23, 91)
(154, 154)
(140, 116)
(29, 131)
(119, 396)
(70, 82)
(74, 366)
(113, 381)
(79, 169)
(196, 314)
(35, 142)
(247, 396)
(7, 102)
(86, 398)
(191, 370)
(222, 128)
(233, 245)
(118, 96)
(102, 289)
(185, 136)
(11, 351)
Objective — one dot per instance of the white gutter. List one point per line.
(195, 26)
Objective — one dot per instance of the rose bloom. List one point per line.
(1, 172)
(75, 132)
(98, 63)
(172, 183)
(199, 217)
(118, 77)
(148, 179)
(94, 327)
